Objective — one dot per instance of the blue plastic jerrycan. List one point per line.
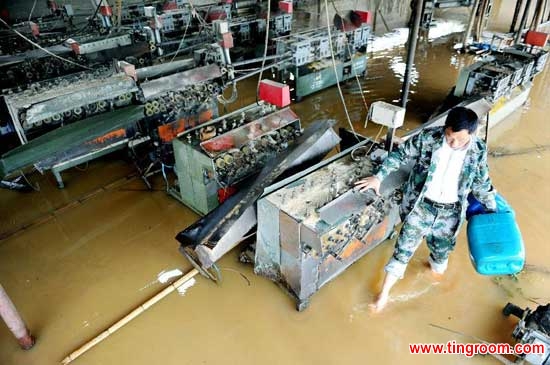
(494, 239)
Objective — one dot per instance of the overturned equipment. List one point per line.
(66, 125)
(207, 240)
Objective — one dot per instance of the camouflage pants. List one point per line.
(437, 225)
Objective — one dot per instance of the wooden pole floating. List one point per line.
(129, 317)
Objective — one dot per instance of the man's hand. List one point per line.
(371, 182)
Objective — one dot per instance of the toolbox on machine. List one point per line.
(495, 243)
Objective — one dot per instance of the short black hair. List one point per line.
(460, 118)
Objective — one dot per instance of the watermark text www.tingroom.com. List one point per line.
(471, 349)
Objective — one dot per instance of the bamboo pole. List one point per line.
(129, 317)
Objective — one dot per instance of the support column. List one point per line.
(411, 50)
(523, 21)
(519, 3)
(13, 320)
(537, 17)
(471, 22)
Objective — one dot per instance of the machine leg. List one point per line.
(302, 305)
(58, 178)
(13, 320)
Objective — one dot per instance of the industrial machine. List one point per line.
(317, 224)
(429, 6)
(533, 329)
(45, 30)
(311, 69)
(484, 78)
(48, 105)
(219, 231)
(78, 54)
(66, 124)
(180, 26)
(211, 160)
(525, 53)
(150, 32)
(498, 74)
(314, 227)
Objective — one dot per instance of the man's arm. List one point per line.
(482, 188)
(401, 156)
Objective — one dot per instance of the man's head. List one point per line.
(460, 124)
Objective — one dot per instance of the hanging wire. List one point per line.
(355, 73)
(35, 187)
(336, 72)
(181, 42)
(32, 10)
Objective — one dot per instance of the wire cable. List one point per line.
(42, 48)
(32, 10)
(232, 98)
(354, 73)
(34, 187)
(336, 72)
(266, 44)
(181, 42)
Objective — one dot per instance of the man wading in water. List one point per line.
(449, 162)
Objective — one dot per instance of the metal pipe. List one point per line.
(481, 19)
(164, 68)
(519, 3)
(470, 24)
(411, 50)
(523, 21)
(259, 59)
(252, 73)
(13, 320)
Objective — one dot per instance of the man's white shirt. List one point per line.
(443, 187)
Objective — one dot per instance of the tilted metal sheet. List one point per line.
(229, 240)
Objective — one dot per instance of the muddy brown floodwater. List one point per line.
(82, 268)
